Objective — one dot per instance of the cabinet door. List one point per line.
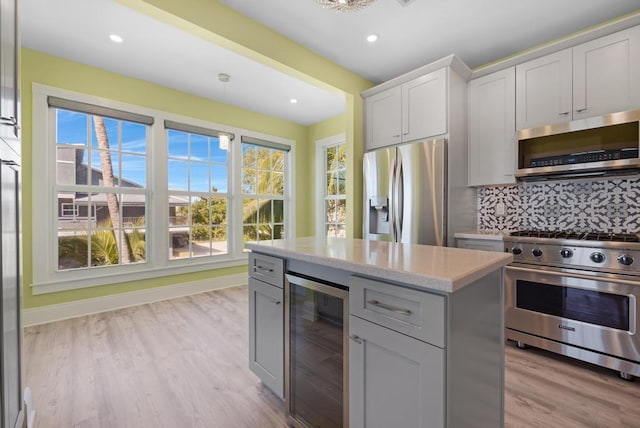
(9, 100)
(11, 326)
(543, 90)
(382, 121)
(605, 74)
(266, 334)
(480, 244)
(492, 139)
(394, 380)
(424, 106)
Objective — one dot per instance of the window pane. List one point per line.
(249, 181)
(217, 154)
(331, 184)
(136, 241)
(199, 174)
(71, 165)
(219, 240)
(134, 171)
(72, 249)
(278, 231)
(330, 209)
(200, 211)
(278, 160)
(200, 241)
(178, 144)
(341, 211)
(250, 211)
(133, 207)
(264, 213)
(250, 233)
(341, 189)
(71, 127)
(219, 178)
(111, 128)
(105, 168)
(177, 175)
(248, 156)
(278, 211)
(263, 158)
(199, 148)
(341, 156)
(134, 137)
(218, 211)
(265, 233)
(278, 183)
(331, 158)
(178, 243)
(264, 182)
(179, 210)
(104, 248)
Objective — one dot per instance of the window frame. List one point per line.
(46, 277)
(321, 172)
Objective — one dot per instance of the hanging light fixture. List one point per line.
(345, 5)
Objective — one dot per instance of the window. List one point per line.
(331, 162)
(100, 183)
(198, 202)
(263, 190)
(126, 193)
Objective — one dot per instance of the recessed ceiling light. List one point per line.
(115, 38)
(372, 38)
(293, 101)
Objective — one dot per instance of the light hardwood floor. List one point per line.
(183, 363)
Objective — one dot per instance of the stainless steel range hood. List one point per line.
(597, 146)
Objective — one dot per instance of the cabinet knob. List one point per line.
(396, 136)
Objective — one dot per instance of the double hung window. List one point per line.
(332, 164)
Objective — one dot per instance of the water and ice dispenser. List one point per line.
(379, 215)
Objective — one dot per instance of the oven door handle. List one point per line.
(572, 275)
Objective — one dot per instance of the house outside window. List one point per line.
(331, 163)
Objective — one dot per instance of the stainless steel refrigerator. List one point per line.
(405, 191)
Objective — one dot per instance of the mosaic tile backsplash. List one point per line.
(602, 205)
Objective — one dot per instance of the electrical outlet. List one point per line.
(501, 209)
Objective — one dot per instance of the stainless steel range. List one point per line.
(576, 294)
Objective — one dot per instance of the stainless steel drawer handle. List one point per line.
(564, 113)
(394, 309)
(11, 121)
(580, 110)
(276, 302)
(264, 268)
(356, 339)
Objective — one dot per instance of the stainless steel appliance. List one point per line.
(576, 294)
(316, 353)
(405, 193)
(596, 146)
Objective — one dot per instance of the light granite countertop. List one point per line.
(442, 269)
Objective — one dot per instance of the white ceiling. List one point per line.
(157, 52)
(478, 31)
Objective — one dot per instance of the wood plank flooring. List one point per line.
(183, 363)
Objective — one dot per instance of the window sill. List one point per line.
(137, 273)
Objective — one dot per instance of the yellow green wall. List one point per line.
(61, 73)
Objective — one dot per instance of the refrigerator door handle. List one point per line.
(399, 199)
(393, 206)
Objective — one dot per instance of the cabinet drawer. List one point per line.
(266, 268)
(415, 313)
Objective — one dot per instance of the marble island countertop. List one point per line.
(443, 269)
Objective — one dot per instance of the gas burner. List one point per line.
(584, 236)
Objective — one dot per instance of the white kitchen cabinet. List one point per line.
(424, 106)
(410, 111)
(491, 123)
(590, 79)
(394, 380)
(266, 320)
(605, 74)
(544, 90)
(9, 87)
(383, 120)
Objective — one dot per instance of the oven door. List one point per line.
(598, 313)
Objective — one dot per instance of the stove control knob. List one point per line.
(625, 260)
(566, 253)
(536, 252)
(597, 257)
(516, 250)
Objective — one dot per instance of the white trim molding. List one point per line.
(78, 308)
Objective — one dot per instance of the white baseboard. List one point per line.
(79, 308)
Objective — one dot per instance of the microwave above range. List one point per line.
(597, 146)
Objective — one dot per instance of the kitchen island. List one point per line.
(425, 324)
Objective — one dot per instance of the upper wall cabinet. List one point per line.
(410, 111)
(491, 102)
(591, 79)
(9, 99)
